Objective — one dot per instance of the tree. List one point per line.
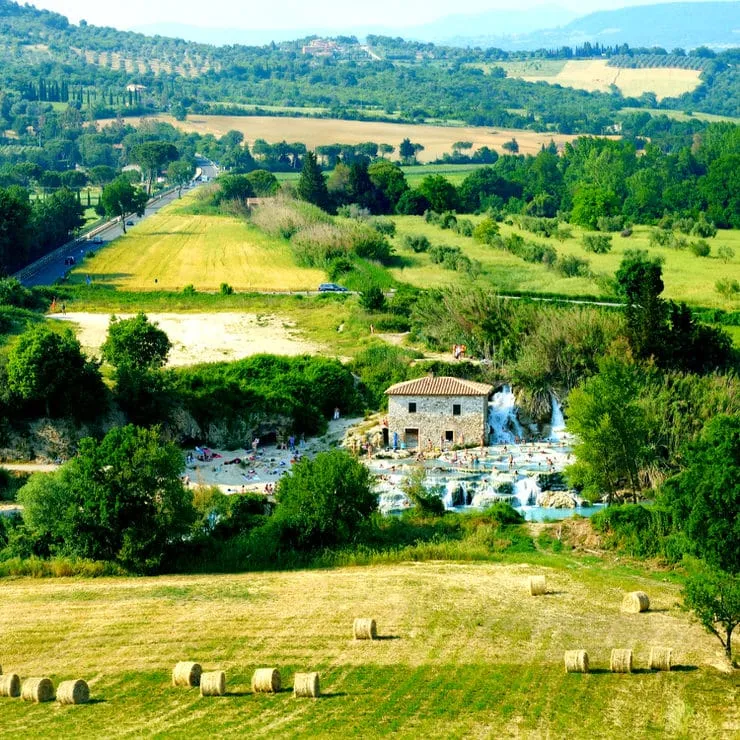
(120, 499)
(49, 372)
(440, 192)
(325, 501)
(726, 253)
(234, 187)
(605, 415)
(372, 298)
(102, 174)
(511, 146)
(180, 173)
(390, 180)
(427, 502)
(704, 499)
(138, 350)
(714, 597)
(264, 183)
(15, 214)
(486, 231)
(152, 156)
(121, 198)
(312, 183)
(597, 243)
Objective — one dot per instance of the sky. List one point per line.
(296, 14)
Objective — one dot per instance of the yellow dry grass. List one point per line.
(594, 74)
(176, 249)
(437, 140)
(464, 648)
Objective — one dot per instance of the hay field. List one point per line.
(687, 277)
(437, 140)
(594, 74)
(174, 248)
(467, 653)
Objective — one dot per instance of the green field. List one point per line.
(677, 115)
(466, 653)
(687, 277)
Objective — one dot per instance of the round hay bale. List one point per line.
(73, 692)
(186, 674)
(537, 585)
(621, 661)
(576, 661)
(661, 659)
(37, 690)
(213, 683)
(266, 681)
(635, 602)
(10, 685)
(364, 629)
(306, 685)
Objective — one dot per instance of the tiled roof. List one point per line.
(433, 386)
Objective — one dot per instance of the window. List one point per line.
(412, 407)
(449, 436)
(456, 409)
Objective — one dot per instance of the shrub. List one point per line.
(448, 220)
(465, 227)
(678, 241)
(571, 266)
(339, 266)
(226, 289)
(610, 223)
(727, 287)
(189, 289)
(417, 242)
(660, 238)
(597, 243)
(626, 233)
(726, 253)
(384, 226)
(684, 225)
(372, 298)
(703, 228)
(487, 231)
(700, 248)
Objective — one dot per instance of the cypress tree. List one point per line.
(312, 184)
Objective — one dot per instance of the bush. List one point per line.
(487, 231)
(372, 299)
(571, 266)
(189, 289)
(660, 238)
(417, 242)
(626, 233)
(726, 253)
(338, 267)
(464, 227)
(727, 287)
(597, 243)
(610, 223)
(700, 248)
(703, 228)
(384, 226)
(226, 289)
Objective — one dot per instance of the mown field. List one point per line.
(465, 652)
(594, 74)
(175, 248)
(313, 132)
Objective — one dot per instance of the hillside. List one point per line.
(465, 651)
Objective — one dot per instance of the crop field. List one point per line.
(174, 248)
(464, 652)
(437, 140)
(594, 74)
(687, 277)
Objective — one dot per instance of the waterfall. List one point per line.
(557, 420)
(448, 498)
(502, 417)
(526, 491)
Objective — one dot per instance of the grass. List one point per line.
(687, 277)
(677, 115)
(174, 248)
(466, 649)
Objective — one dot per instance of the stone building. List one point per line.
(438, 412)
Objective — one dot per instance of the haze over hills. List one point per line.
(669, 25)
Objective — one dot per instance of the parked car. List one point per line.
(69, 260)
(331, 288)
(129, 223)
(96, 240)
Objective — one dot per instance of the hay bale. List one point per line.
(576, 661)
(10, 685)
(621, 661)
(306, 685)
(661, 659)
(37, 690)
(266, 681)
(635, 602)
(73, 692)
(364, 629)
(537, 585)
(186, 674)
(213, 683)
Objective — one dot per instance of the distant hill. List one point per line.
(669, 25)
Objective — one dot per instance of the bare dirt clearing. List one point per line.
(204, 337)
(437, 140)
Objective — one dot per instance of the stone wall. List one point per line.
(435, 420)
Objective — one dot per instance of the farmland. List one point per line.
(466, 649)
(313, 132)
(594, 75)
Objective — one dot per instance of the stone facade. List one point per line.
(429, 413)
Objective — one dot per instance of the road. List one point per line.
(54, 270)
